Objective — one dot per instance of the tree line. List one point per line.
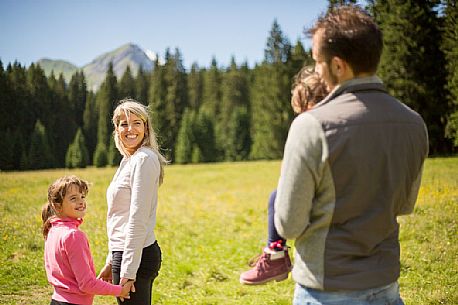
(224, 113)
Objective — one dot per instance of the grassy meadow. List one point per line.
(211, 221)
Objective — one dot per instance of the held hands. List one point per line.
(127, 284)
(125, 292)
(127, 287)
(106, 274)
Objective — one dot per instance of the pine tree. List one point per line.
(41, 102)
(158, 107)
(20, 152)
(90, 124)
(450, 48)
(24, 161)
(212, 80)
(278, 47)
(300, 58)
(25, 116)
(412, 64)
(63, 127)
(185, 140)
(211, 104)
(39, 156)
(17, 99)
(77, 155)
(106, 98)
(204, 139)
(127, 85)
(77, 95)
(196, 154)
(101, 155)
(114, 156)
(238, 137)
(195, 87)
(142, 87)
(270, 96)
(234, 94)
(7, 141)
(51, 121)
(176, 97)
(5, 103)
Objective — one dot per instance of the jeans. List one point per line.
(147, 272)
(386, 295)
(272, 231)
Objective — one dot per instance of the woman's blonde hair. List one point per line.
(126, 107)
(56, 195)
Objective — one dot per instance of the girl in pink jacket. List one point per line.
(68, 260)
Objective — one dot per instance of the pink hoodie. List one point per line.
(69, 265)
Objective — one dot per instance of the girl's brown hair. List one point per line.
(56, 195)
(310, 89)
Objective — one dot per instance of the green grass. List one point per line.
(211, 221)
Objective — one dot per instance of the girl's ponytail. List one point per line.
(47, 213)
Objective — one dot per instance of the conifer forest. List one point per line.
(233, 113)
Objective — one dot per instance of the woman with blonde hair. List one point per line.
(134, 255)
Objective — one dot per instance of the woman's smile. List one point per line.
(131, 130)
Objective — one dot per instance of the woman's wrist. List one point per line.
(127, 281)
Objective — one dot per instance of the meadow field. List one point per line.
(211, 221)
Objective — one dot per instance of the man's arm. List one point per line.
(304, 156)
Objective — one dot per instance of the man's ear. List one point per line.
(341, 69)
(337, 66)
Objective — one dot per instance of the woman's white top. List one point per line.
(132, 204)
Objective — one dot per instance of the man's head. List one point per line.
(346, 44)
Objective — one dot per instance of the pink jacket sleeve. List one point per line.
(80, 260)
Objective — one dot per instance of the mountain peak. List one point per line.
(128, 47)
(126, 55)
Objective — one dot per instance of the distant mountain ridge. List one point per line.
(126, 55)
(58, 66)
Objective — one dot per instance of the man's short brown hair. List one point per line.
(351, 34)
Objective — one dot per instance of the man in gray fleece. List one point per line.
(351, 165)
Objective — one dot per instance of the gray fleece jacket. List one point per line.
(351, 165)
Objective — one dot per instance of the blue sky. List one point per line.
(79, 30)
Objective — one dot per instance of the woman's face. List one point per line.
(131, 131)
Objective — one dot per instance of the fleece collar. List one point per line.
(67, 221)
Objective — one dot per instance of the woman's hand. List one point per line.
(127, 284)
(106, 274)
(125, 292)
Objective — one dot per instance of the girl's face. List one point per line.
(74, 203)
(131, 131)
